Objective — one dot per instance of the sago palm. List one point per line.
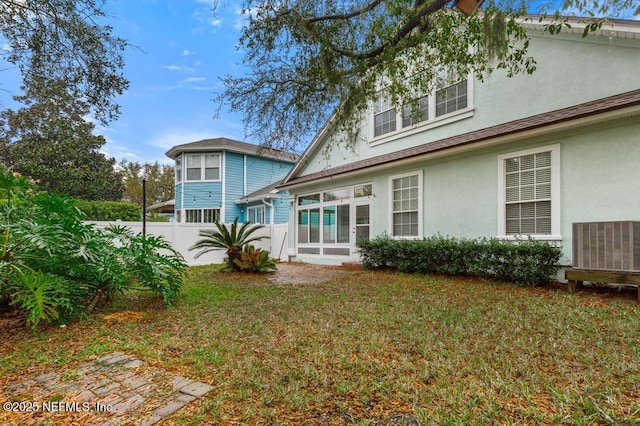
(232, 240)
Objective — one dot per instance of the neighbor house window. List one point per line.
(406, 205)
(384, 118)
(179, 169)
(452, 98)
(201, 215)
(529, 192)
(203, 167)
(256, 214)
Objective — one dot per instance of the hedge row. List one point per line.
(110, 210)
(526, 262)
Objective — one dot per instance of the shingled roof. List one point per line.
(588, 109)
(225, 144)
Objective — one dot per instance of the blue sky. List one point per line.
(182, 48)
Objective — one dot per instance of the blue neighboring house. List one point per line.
(220, 179)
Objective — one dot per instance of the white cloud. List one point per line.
(193, 80)
(177, 68)
(187, 52)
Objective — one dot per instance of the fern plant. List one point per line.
(253, 259)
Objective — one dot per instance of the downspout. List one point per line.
(271, 219)
(244, 175)
(183, 164)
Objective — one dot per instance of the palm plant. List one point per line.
(232, 240)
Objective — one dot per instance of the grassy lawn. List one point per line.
(369, 348)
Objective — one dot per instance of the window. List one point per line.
(529, 192)
(442, 106)
(406, 201)
(203, 167)
(452, 98)
(384, 118)
(201, 215)
(309, 226)
(179, 169)
(411, 117)
(328, 222)
(256, 214)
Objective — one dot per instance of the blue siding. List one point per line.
(259, 172)
(263, 171)
(234, 184)
(202, 195)
(281, 206)
(178, 195)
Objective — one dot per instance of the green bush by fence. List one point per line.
(110, 210)
(526, 262)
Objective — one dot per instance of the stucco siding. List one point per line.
(570, 70)
(599, 181)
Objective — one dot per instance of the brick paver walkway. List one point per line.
(115, 389)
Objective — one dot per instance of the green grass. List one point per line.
(370, 348)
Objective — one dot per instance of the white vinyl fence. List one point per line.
(184, 235)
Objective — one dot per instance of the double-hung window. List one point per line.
(448, 102)
(451, 99)
(203, 167)
(384, 115)
(406, 205)
(179, 169)
(529, 192)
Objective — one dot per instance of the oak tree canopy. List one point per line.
(65, 40)
(308, 61)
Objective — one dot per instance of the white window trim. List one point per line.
(555, 194)
(202, 167)
(260, 211)
(183, 213)
(420, 205)
(352, 201)
(427, 124)
(179, 175)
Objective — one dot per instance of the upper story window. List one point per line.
(384, 116)
(203, 167)
(430, 108)
(179, 169)
(452, 98)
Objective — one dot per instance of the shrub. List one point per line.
(110, 210)
(527, 262)
(254, 260)
(52, 265)
(232, 240)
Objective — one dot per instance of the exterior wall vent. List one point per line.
(607, 246)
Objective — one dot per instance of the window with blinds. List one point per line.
(406, 206)
(528, 194)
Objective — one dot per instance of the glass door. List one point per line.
(361, 222)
